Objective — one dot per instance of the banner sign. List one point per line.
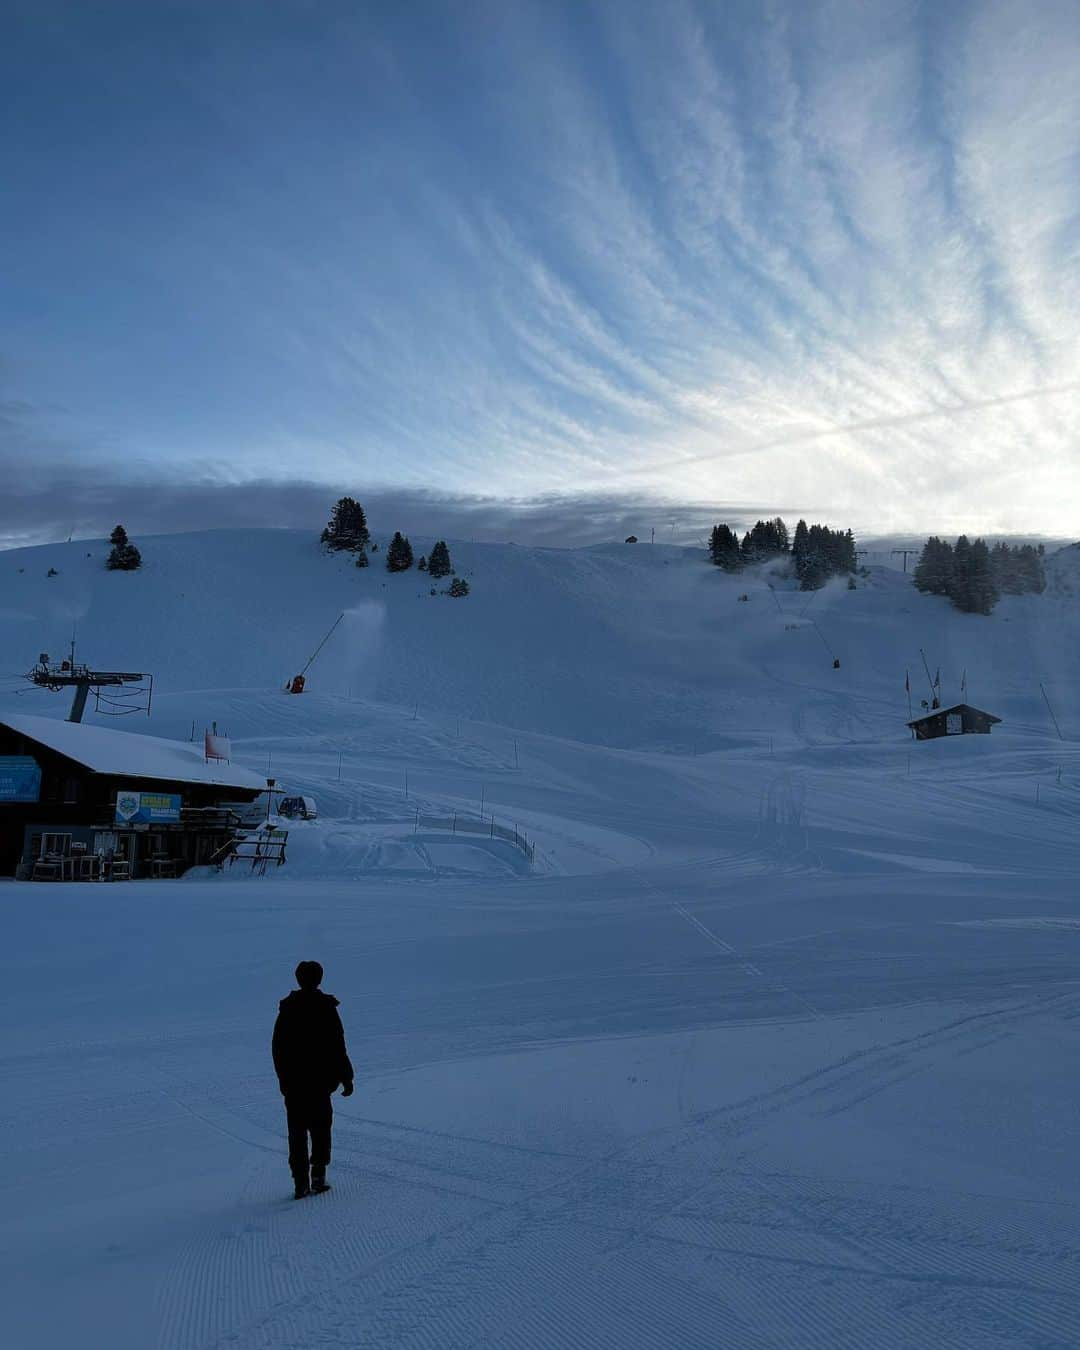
(216, 746)
(20, 779)
(147, 808)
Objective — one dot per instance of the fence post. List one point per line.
(453, 828)
(416, 825)
(493, 826)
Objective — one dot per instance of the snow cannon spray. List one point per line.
(359, 648)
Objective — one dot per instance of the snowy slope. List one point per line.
(637, 646)
(774, 1046)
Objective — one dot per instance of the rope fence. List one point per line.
(460, 824)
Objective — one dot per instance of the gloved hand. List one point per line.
(346, 1089)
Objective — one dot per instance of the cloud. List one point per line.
(820, 254)
(47, 510)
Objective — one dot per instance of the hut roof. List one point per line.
(956, 708)
(125, 754)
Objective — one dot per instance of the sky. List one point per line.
(531, 256)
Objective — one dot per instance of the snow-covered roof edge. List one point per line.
(129, 754)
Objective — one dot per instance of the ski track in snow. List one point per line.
(774, 1045)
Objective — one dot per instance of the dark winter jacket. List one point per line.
(309, 1044)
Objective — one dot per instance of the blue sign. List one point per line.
(20, 779)
(147, 808)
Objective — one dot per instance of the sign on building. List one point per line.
(147, 808)
(20, 779)
(217, 746)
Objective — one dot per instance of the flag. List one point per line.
(963, 682)
(907, 682)
(937, 679)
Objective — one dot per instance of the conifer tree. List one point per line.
(1017, 570)
(458, 587)
(399, 554)
(347, 529)
(439, 564)
(973, 589)
(800, 550)
(934, 570)
(767, 539)
(124, 556)
(724, 548)
(421, 566)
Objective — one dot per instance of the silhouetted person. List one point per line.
(311, 1062)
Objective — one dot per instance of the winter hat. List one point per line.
(309, 974)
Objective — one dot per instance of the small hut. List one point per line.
(86, 803)
(960, 720)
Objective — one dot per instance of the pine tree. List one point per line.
(800, 550)
(934, 570)
(849, 558)
(974, 590)
(347, 530)
(458, 587)
(767, 539)
(959, 589)
(439, 564)
(124, 556)
(724, 548)
(399, 555)
(1017, 570)
(1032, 569)
(421, 566)
(815, 571)
(714, 545)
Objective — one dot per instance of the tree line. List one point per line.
(975, 576)
(816, 552)
(347, 532)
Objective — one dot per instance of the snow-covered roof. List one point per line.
(956, 708)
(127, 754)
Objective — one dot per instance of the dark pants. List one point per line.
(308, 1113)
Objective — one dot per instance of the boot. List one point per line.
(319, 1182)
(303, 1188)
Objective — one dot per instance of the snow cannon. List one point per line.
(297, 683)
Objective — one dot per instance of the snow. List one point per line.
(774, 1044)
(108, 751)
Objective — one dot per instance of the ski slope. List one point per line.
(775, 1043)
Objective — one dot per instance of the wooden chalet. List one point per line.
(960, 720)
(88, 803)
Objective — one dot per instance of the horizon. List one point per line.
(537, 533)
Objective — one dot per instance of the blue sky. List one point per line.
(772, 256)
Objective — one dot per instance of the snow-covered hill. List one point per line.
(623, 645)
(773, 1044)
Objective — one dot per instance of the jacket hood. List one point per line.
(306, 995)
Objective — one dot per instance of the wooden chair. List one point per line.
(49, 867)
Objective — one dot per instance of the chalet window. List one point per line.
(71, 791)
(954, 724)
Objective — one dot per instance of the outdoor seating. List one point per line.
(50, 867)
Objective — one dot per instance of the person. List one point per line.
(311, 1062)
